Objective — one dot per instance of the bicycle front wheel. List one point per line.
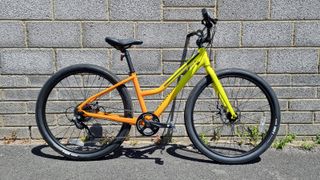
(70, 133)
(215, 134)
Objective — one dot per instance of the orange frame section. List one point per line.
(133, 77)
(192, 62)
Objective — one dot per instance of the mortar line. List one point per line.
(217, 8)
(267, 61)
(25, 34)
(108, 9)
(55, 62)
(293, 34)
(109, 58)
(53, 9)
(269, 8)
(162, 62)
(291, 80)
(2, 98)
(134, 30)
(318, 60)
(81, 34)
(161, 11)
(30, 132)
(188, 8)
(241, 34)
(314, 117)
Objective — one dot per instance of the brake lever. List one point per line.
(214, 20)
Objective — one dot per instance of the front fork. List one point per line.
(217, 86)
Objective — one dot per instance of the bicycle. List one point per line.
(85, 120)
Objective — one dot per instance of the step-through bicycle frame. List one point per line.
(189, 68)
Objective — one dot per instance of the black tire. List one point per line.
(209, 134)
(56, 105)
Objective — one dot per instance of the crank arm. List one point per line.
(161, 125)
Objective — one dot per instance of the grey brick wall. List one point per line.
(278, 39)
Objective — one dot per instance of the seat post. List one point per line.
(128, 58)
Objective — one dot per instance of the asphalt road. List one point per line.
(151, 162)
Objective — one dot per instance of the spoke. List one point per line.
(90, 87)
(239, 87)
(62, 130)
(71, 133)
(249, 98)
(241, 92)
(71, 95)
(105, 87)
(79, 84)
(247, 117)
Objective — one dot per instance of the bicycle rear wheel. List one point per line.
(82, 138)
(215, 134)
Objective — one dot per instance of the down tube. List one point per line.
(176, 90)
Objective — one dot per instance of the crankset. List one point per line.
(148, 124)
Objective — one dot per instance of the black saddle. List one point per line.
(122, 44)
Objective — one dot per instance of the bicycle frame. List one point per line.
(189, 68)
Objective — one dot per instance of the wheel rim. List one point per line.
(233, 139)
(66, 93)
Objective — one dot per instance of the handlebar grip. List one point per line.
(205, 14)
(207, 18)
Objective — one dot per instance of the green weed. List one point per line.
(281, 143)
(204, 139)
(254, 134)
(251, 133)
(307, 145)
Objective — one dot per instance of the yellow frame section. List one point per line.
(189, 68)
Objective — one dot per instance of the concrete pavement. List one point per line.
(152, 162)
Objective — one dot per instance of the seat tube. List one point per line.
(128, 58)
(138, 93)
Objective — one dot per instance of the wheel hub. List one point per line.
(226, 117)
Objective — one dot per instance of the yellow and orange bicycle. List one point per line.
(85, 112)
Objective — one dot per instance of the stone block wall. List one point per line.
(278, 39)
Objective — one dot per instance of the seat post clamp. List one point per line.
(122, 56)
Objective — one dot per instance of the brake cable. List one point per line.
(167, 133)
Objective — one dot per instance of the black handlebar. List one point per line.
(208, 22)
(206, 17)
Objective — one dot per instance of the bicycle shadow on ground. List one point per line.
(135, 153)
(191, 154)
(144, 152)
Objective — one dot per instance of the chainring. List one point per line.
(144, 126)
